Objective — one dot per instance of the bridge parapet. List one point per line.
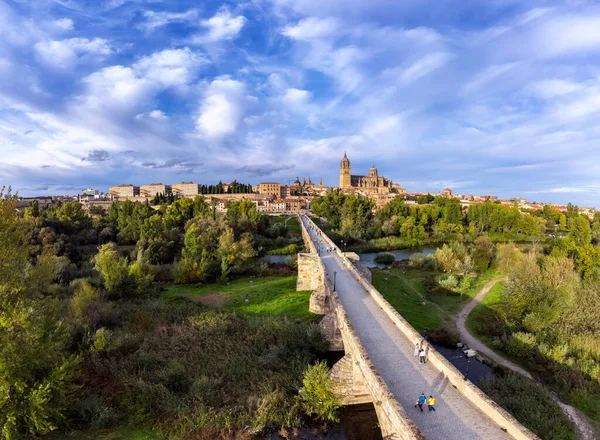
(357, 378)
(471, 392)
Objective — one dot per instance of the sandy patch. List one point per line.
(215, 299)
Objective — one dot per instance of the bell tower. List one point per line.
(345, 180)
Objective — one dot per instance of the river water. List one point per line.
(366, 258)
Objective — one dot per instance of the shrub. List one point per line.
(317, 396)
(450, 282)
(290, 249)
(385, 259)
(421, 261)
(445, 336)
(521, 344)
(530, 404)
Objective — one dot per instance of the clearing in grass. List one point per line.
(255, 296)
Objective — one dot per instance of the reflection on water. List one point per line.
(278, 259)
(471, 367)
(368, 258)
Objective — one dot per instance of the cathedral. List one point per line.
(371, 184)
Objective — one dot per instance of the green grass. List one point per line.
(484, 312)
(293, 226)
(268, 296)
(404, 288)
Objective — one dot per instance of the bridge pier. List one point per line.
(349, 382)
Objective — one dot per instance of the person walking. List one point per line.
(420, 401)
(431, 403)
(417, 349)
(421, 356)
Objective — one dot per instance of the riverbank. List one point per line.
(468, 323)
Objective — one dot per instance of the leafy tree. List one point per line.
(483, 252)
(446, 259)
(35, 368)
(536, 295)
(579, 230)
(508, 256)
(179, 212)
(114, 270)
(356, 214)
(414, 234)
(234, 254)
(317, 394)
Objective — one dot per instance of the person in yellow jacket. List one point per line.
(431, 403)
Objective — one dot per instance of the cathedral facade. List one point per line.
(371, 184)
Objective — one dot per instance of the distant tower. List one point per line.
(345, 180)
(373, 171)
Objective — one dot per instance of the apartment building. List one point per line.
(269, 188)
(152, 189)
(185, 189)
(126, 191)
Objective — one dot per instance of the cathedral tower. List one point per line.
(345, 180)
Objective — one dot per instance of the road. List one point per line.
(391, 353)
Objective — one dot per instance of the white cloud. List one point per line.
(424, 66)
(223, 108)
(155, 20)
(170, 68)
(63, 54)
(296, 97)
(312, 28)
(488, 74)
(63, 24)
(550, 88)
(567, 34)
(222, 26)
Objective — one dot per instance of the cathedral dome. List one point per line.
(373, 171)
(345, 161)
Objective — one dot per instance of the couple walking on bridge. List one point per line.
(421, 401)
(421, 353)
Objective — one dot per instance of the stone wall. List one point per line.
(477, 397)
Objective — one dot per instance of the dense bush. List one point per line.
(530, 404)
(385, 259)
(290, 249)
(317, 394)
(188, 372)
(445, 335)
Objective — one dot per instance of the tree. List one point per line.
(536, 294)
(483, 252)
(179, 212)
(234, 254)
(508, 256)
(445, 259)
(579, 230)
(114, 270)
(317, 394)
(36, 370)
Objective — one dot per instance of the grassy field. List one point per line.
(409, 291)
(292, 222)
(485, 312)
(268, 296)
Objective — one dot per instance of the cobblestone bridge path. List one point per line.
(392, 354)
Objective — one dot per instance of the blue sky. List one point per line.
(495, 96)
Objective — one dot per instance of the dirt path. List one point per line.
(582, 425)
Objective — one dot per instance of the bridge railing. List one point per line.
(477, 397)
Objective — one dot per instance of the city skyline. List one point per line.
(485, 98)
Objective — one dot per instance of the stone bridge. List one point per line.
(378, 364)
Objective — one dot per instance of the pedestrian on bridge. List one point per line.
(420, 401)
(417, 350)
(422, 356)
(431, 403)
